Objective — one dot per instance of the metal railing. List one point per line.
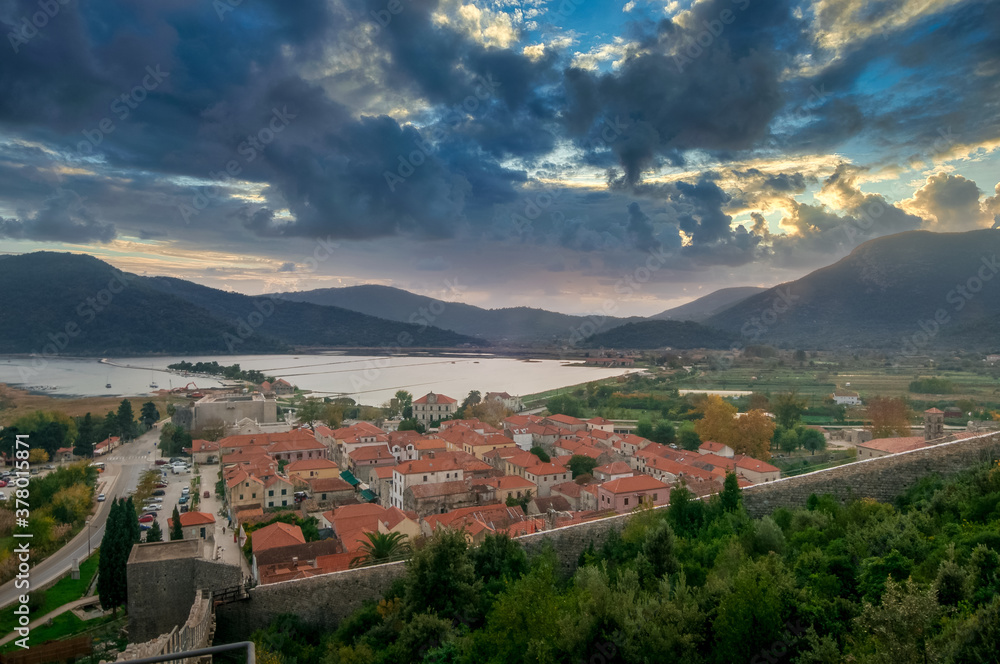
(175, 656)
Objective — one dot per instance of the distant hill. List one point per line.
(165, 315)
(883, 295)
(513, 325)
(709, 305)
(652, 334)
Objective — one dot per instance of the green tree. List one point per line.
(309, 410)
(659, 549)
(542, 455)
(149, 415)
(131, 519)
(787, 408)
(898, 629)
(405, 400)
(471, 399)
(688, 437)
(580, 464)
(787, 440)
(125, 419)
(380, 547)
(155, 533)
(112, 582)
(812, 440)
(644, 429)
(109, 427)
(176, 529)
(663, 433)
(499, 558)
(411, 425)
(564, 405)
(731, 496)
(86, 437)
(752, 615)
(441, 577)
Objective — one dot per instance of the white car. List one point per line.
(153, 507)
(185, 491)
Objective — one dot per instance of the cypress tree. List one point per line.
(154, 534)
(117, 541)
(176, 531)
(132, 519)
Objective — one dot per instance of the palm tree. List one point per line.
(381, 547)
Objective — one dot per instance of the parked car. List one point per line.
(100, 497)
(159, 492)
(3, 496)
(184, 508)
(160, 462)
(48, 467)
(207, 495)
(183, 500)
(3, 483)
(154, 499)
(147, 518)
(161, 485)
(144, 526)
(185, 491)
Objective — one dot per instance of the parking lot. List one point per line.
(175, 484)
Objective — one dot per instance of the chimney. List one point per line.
(295, 561)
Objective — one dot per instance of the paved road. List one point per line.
(121, 476)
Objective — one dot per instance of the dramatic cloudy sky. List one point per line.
(505, 152)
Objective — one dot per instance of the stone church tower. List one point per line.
(933, 424)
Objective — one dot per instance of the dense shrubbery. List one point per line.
(60, 502)
(702, 582)
(932, 386)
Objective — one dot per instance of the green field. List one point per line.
(62, 592)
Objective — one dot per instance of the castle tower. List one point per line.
(933, 424)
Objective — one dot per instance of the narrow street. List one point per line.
(123, 466)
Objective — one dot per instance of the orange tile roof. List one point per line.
(712, 446)
(275, 535)
(441, 399)
(328, 485)
(372, 453)
(749, 463)
(614, 468)
(634, 483)
(507, 482)
(565, 419)
(310, 464)
(543, 469)
(895, 445)
(427, 466)
(193, 519)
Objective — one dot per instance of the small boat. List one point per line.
(107, 385)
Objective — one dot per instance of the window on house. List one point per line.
(284, 502)
(654, 497)
(241, 496)
(284, 492)
(425, 478)
(271, 492)
(626, 501)
(253, 495)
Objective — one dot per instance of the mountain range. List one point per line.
(514, 325)
(78, 305)
(907, 292)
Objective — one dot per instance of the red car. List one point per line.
(2, 484)
(148, 518)
(161, 485)
(160, 462)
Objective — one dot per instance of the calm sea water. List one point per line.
(368, 379)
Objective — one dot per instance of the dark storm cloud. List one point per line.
(914, 91)
(690, 88)
(640, 229)
(62, 218)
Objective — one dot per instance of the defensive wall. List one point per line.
(326, 600)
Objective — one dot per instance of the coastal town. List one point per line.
(534, 472)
